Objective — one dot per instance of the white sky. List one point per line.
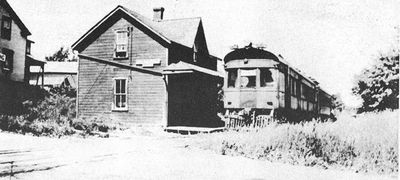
(329, 40)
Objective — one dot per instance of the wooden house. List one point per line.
(15, 57)
(143, 71)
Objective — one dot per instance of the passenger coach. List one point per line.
(260, 83)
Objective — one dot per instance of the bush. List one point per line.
(55, 115)
(368, 143)
(96, 124)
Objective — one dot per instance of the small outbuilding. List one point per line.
(55, 74)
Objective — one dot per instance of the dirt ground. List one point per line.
(127, 155)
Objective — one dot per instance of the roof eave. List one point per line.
(119, 7)
(24, 30)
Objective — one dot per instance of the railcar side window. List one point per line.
(232, 77)
(293, 88)
(248, 78)
(266, 78)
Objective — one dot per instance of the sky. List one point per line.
(331, 41)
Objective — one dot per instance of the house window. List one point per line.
(120, 94)
(28, 47)
(6, 27)
(121, 44)
(248, 78)
(9, 59)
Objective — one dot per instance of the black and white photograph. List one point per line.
(199, 89)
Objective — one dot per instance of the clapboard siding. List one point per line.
(143, 46)
(146, 92)
(146, 99)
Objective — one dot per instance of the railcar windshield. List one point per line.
(248, 78)
(266, 78)
(232, 77)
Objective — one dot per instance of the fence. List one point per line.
(238, 122)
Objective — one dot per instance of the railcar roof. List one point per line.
(250, 52)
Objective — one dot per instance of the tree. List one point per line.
(337, 102)
(378, 86)
(63, 54)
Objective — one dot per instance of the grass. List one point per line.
(366, 143)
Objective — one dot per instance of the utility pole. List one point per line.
(397, 37)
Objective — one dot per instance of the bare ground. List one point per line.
(129, 156)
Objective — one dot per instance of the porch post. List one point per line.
(165, 114)
(37, 78)
(42, 66)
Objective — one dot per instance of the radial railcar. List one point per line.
(262, 83)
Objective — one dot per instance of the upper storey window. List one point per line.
(6, 27)
(121, 44)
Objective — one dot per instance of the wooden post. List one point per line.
(42, 75)
(37, 77)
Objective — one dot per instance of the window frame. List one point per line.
(28, 47)
(6, 32)
(117, 43)
(271, 84)
(228, 79)
(115, 94)
(255, 76)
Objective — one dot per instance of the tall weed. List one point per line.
(367, 143)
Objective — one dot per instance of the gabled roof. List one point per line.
(181, 31)
(15, 17)
(183, 67)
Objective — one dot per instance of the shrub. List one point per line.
(368, 143)
(56, 107)
(95, 124)
(54, 116)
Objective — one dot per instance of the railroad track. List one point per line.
(17, 161)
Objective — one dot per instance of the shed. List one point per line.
(55, 74)
(192, 97)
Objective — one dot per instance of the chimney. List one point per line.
(158, 13)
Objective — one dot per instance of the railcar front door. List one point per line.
(248, 81)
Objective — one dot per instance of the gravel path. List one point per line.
(138, 157)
